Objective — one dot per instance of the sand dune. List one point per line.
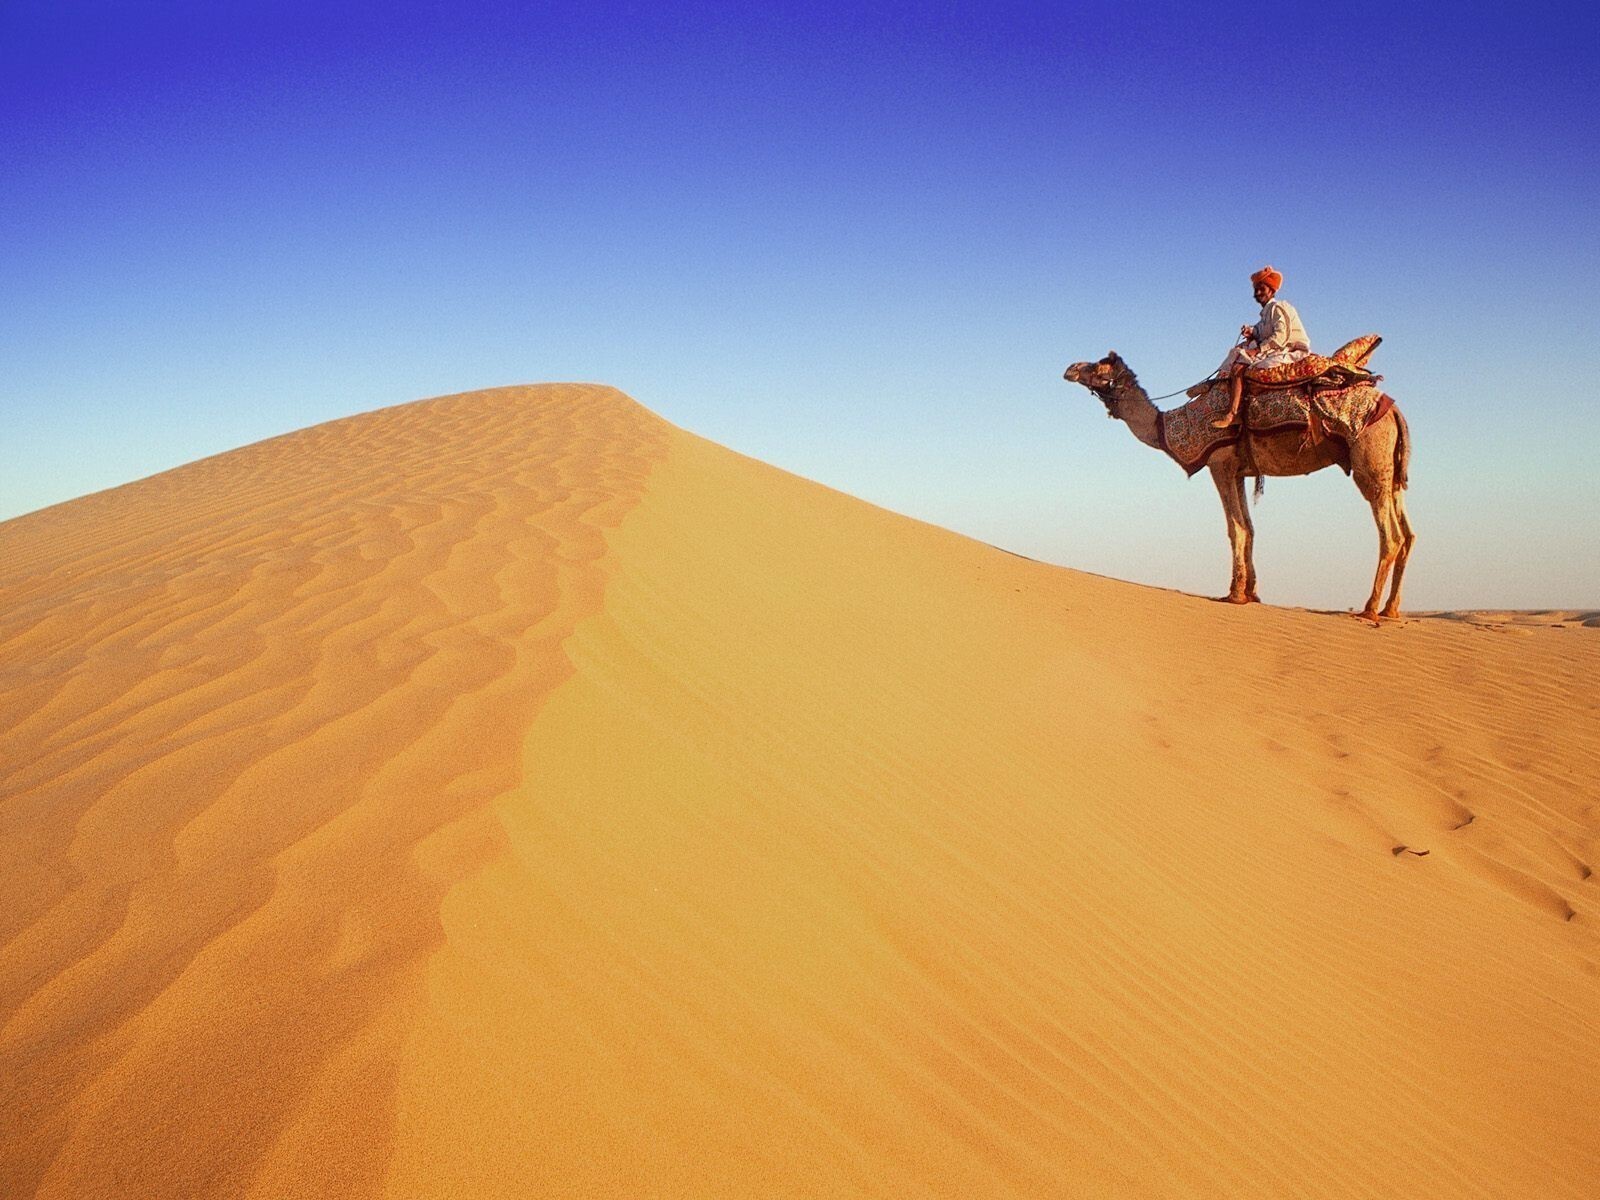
(1550, 618)
(511, 794)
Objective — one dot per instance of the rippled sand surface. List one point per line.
(511, 794)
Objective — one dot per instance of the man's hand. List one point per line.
(1248, 332)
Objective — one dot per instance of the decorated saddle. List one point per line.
(1187, 435)
(1345, 366)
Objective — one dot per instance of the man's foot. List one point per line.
(1224, 421)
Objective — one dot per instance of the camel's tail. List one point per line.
(1402, 450)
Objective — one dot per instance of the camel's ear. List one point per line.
(1113, 357)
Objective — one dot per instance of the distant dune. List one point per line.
(510, 794)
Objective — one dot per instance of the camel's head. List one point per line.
(1109, 379)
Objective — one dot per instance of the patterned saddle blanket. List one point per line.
(1345, 366)
(1188, 436)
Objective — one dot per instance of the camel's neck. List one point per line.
(1133, 408)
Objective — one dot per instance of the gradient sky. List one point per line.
(860, 241)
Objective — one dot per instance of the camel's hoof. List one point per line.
(1390, 614)
(1369, 615)
(1232, 599)
(1252, 598)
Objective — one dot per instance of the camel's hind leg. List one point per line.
(1407, 540)
(1372, 465)
(1388, 546)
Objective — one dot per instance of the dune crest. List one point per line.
(510, 794)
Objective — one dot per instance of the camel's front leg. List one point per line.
(1242, 505)
(1231, 490)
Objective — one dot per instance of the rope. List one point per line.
(1212, 378)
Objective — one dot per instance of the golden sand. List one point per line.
(513, 795)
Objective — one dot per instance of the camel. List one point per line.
(1378, 461)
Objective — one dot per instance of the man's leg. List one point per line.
(1235, 394)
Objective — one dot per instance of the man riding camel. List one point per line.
(1278, 337)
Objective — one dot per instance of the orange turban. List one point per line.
(1268, 275)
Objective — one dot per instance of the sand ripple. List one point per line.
(255, 710)
(511, 795)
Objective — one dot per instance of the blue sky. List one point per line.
(858, 241)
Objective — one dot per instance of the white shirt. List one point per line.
(1279, 329)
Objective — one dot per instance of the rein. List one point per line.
(1212, 378)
